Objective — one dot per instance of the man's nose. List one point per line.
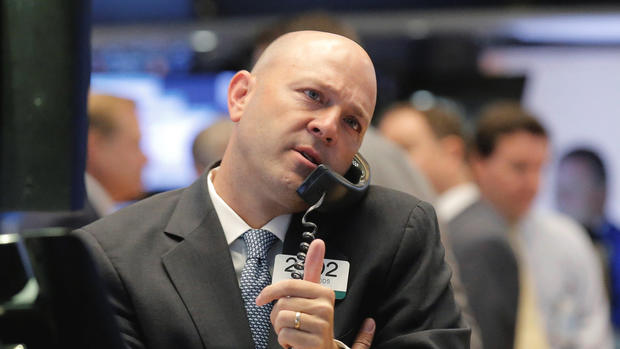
(325, 125)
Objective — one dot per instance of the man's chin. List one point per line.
(296, 178)
(291, 201)
(519, 214)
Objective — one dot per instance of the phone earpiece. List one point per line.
(341, 191)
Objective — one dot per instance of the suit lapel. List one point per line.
(201, 269)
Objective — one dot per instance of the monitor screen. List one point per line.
(172, 110)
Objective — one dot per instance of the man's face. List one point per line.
(118, 161)
(510, 176)
(577, 193)
(310, 105)
(407, 128)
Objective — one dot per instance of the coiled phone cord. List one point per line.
(307, 236)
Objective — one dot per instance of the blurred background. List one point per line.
(560, 58)
(175, 58)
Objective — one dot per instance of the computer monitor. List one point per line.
(58, 299)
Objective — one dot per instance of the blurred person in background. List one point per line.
(209, 145)
(114, 160)
(581, 192)
(562, 302)
(436, 142)
(114, 164)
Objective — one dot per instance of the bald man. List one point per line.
(183, 269)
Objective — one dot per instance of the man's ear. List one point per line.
(238, 94)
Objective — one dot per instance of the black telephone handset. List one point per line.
(340, 191)
(326, 190)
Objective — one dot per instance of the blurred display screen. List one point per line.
(172, 110)
(245, 7)
(141, 10)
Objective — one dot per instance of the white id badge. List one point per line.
(335, 274)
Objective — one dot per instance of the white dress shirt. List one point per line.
(234, 226)
(98, 196)
(567, 280)
(456, 199)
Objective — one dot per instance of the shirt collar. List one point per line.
(98, 196)
(233, 225)
(456, 199)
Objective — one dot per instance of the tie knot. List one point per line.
(258, 242)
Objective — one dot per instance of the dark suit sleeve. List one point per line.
(419, 281)
(490, 275)
(119, 300)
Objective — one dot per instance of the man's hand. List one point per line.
(303, 316)
(365, 335)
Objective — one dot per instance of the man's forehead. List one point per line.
(407, 115)
(334, 60)
(335, 79)
(310, 44)
(307, 38)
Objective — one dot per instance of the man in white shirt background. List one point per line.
(436, 141)
(562, 301)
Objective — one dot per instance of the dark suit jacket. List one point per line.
(489, 272)
(172, 282)
(65, 219)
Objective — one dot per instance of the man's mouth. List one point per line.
(310, 155)
(310, 158)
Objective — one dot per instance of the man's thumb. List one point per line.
(365, 335)
(314, 261)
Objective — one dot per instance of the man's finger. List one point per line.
(365, 335)
(314, 261)
(293, 288)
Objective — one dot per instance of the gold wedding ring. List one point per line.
(297, 320)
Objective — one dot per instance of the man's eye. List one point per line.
(351, 121)
(312, 94)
